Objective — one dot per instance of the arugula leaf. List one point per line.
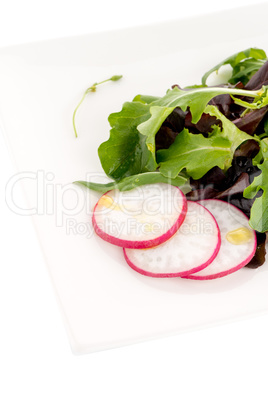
(126, 152)
(128, 183)
(244, 63)
(195, 153)
(196, 99)
(259, 210)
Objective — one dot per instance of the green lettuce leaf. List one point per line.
(195, 99)
(126, 152)
(198, 154)
(244, 64)
(229, 130)
(195, 153)
(259, 210)
(128, 183)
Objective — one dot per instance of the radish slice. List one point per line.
(143, 217)
(238, 240)
(191, 249)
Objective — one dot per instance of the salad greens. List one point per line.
(244, 64)
(196, 137)
(131, 147)
(198, 154)
(126, 152)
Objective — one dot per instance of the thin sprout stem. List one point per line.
(102, 82)
(92, 89)
(74, 114)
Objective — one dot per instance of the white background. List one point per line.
(228, 362)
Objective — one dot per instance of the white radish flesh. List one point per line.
(191, 249)
(143, 217)
(238, 241)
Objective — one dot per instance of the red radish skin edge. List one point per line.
(221, 274)
(174, 275)
(230, 271)
(145, 243)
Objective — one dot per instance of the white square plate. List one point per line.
(104, 303)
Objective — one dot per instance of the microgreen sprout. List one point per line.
(92, 88)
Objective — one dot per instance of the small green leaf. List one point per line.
(244, 64)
